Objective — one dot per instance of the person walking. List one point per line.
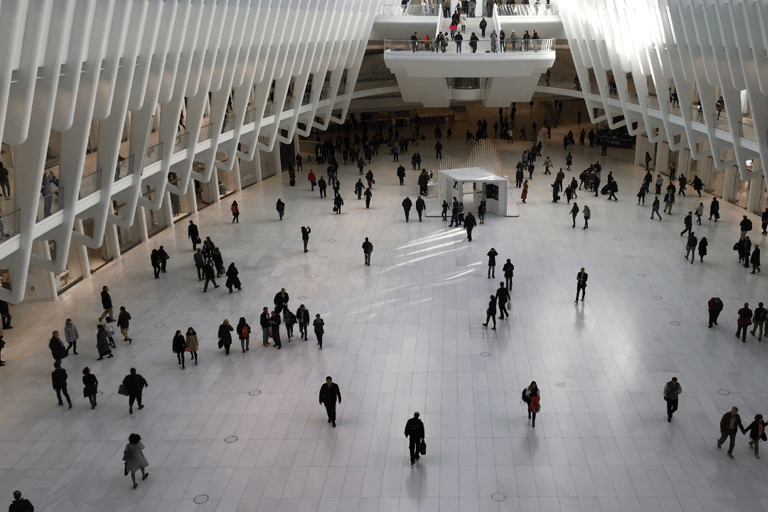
(758, 320)
(574, 213)
(59, 382)
(337, 204)
(703, 243)
(192, 344)
(232, 280)
(280, 207)
(329, 392)
(193, 234)
(587, 215)
(281, 300)
(509, 272)
(199, 260)
(469, 225)
(312, 178)
(102, 342)
(690, 247)
(756, 432)
(58, 350)
(244, 333)
(266, 327)
(106, 303)
(401, 174)
(492, 263)
(71, 335)
(154, 259)
(367, 250)
(210, 276)
(368, 194)
(407, 203)
(420, 206)
(5, 314)
(179, 346)
(225, 336)
(754, 260)
(764, 222)
(414, 432)
(359, 187)
(655, 208)
(133, 385)
(91, 386)
(699, 212)
(302, 316)
(714, 209)
(274, 326)
(123, 322)
(728, 425)
(744, 321)
(134, 459)
(688, 223)
(235, 212)
(110, 331)
(321, 186)
(581, 284)
(490, 313)
(531, 396)
(289, 319)
(524, 193)
(502, 297)
(318, 325)
(671, 391)
(714, 307)
(20, 504)
(659, 183)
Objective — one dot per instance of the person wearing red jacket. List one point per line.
(312, 179)
(744, 321)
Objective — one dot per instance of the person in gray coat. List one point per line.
(494, 41)
(71, 335)
(134, 459)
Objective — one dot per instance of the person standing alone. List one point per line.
(329, 392)
(305, 231)
(367, 250)
(414, 431)
(492, 263)
(671, 391)
(581, 284)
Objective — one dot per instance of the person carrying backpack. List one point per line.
(244, 333)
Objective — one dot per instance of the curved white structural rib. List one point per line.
(709, 47)
(66, 63)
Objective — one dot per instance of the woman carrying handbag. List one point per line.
(531, 397)
(134, 459)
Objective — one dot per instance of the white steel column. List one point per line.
(82, 252)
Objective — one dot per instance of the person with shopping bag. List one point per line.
(531, 397)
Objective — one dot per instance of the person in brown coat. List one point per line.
(192, 344)
(728, 425)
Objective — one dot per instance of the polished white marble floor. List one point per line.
(403, 335)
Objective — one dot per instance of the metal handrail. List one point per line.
(483, 46)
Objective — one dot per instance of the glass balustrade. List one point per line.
(483, 46)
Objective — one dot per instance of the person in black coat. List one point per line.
(502, 296)
(420, 206)
(164, 257)
(106, 303)
(123, 322)
(179, 347)
(5, 313)
(193, 234)
(407, 203)
(337, 203)
(321, 185)
(319, 325)
(329, 392)
(581, 284)
(302, 315)
(755, 259)
(305, 231)
(473, 39)
(703, 248)
(232, 280)
(491, 312)
(714, 209)
(210, 276)
(414, 430)
(368, 194)
(492, 262)
(509, 272)
(756, 432)
(280, 207)
(91, 384)
(134, 385)
(225, 336)
(469, 225)
(58, 350)
(483, 25)
(274, 325)
(154, 258)
(20, 504)
(281, 300)
(59, 382)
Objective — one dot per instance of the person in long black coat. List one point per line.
(407, 204)
(193, 234)
(154, 258)
(225, 336)
(420, 206)
(232, 279)
(414, 430)
(59, 382)
(102, 342)
(755, 259)
(491, 312)
(210, 276)
(179, 347)
(58, 350)
(329, 392)
(91, 384)
(469, 225)
(134, 385)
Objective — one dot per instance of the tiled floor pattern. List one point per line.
(404, 335)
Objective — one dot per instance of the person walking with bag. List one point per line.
(225, 336)
(244, 333)
(91, 386)
(329, 392)
(414, 431)
(756, 432)
(179, 347)
(280, 207)
(671, 391)
(319, 325)
(232, 280)
(531, 397)
(134, 459)
(133, 386)
(192, 344)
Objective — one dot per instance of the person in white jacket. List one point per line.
(107, 323)
(71, 335)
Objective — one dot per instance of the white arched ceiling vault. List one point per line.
(713, 47)
(66, 63)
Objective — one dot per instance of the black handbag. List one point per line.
(423, 447)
